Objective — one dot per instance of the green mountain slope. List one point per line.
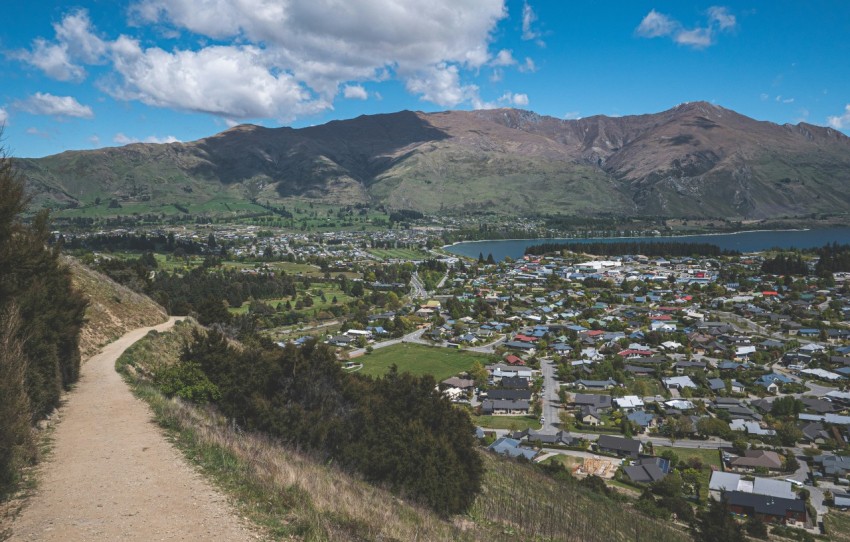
(696, 159)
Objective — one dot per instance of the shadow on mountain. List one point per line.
(308, 159)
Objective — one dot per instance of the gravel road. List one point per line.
(112, 475)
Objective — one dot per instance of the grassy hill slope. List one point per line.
(696, 159)
(113, 309)
(292, 495)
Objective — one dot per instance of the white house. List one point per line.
(679, 382)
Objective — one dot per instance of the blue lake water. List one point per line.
(751, 241)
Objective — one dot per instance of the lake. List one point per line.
(749, 241)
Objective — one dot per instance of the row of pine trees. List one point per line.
(40, 319)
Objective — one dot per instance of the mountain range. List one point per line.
(694, 160)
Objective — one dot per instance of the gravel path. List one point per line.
(113, 476)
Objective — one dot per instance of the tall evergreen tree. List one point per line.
(40, 319)
(716, 523)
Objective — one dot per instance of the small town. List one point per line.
(705, 378)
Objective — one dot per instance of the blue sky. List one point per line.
(96, 73)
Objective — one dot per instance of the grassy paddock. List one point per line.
(418, 359)
(399, 253)
(507, 422)
(707, 456)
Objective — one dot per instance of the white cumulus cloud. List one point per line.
(324, 43)
(839, 122)
(53, 60)
(520, 99)
(123, 139)
(655, 25)
(528, 20)
(441, 85)
(75, 44)
(230, 81)
(281, 59)
(721, 17)
(528, 66)
(4, 116)
(660, 25)
(698, 38)
(504, 57)
(355, 92)
(61, 106)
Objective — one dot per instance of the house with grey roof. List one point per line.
(596, 400)
(596, 384)
(833, 465)
(642, 419)
(813, 432)
(504, 406)
(766, 508)
(620, 446)
(648, 470)
(511, 448)
(679, 382)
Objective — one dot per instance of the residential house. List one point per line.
(504, 407)
(629, 402)
(461, 383)
(716, 385)
(620, 446)
(721, 482)
(528, 348)
(642, 419)
(341, 340)
(590, 416)
(511, 359)
(679, 382)
(841, 500)
(596, 400)
(639, 371)
(595, 384)
(511, 448)
(648, 470)
(767, 508)
(515, 382)
(772, 381)
(814, 432)
(509, 394)
(833, 465)
(562, 438)
(753, 459)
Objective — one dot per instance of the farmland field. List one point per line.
(399, 253)
(416, 359)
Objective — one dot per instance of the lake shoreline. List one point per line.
(745, 241)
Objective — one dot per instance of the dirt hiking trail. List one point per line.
(113, 476)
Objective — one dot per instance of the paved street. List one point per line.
(417, 289)
(551, 401)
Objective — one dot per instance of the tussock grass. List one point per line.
(113, 309)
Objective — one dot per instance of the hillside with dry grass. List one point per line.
(113, 310)
(290, 494)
